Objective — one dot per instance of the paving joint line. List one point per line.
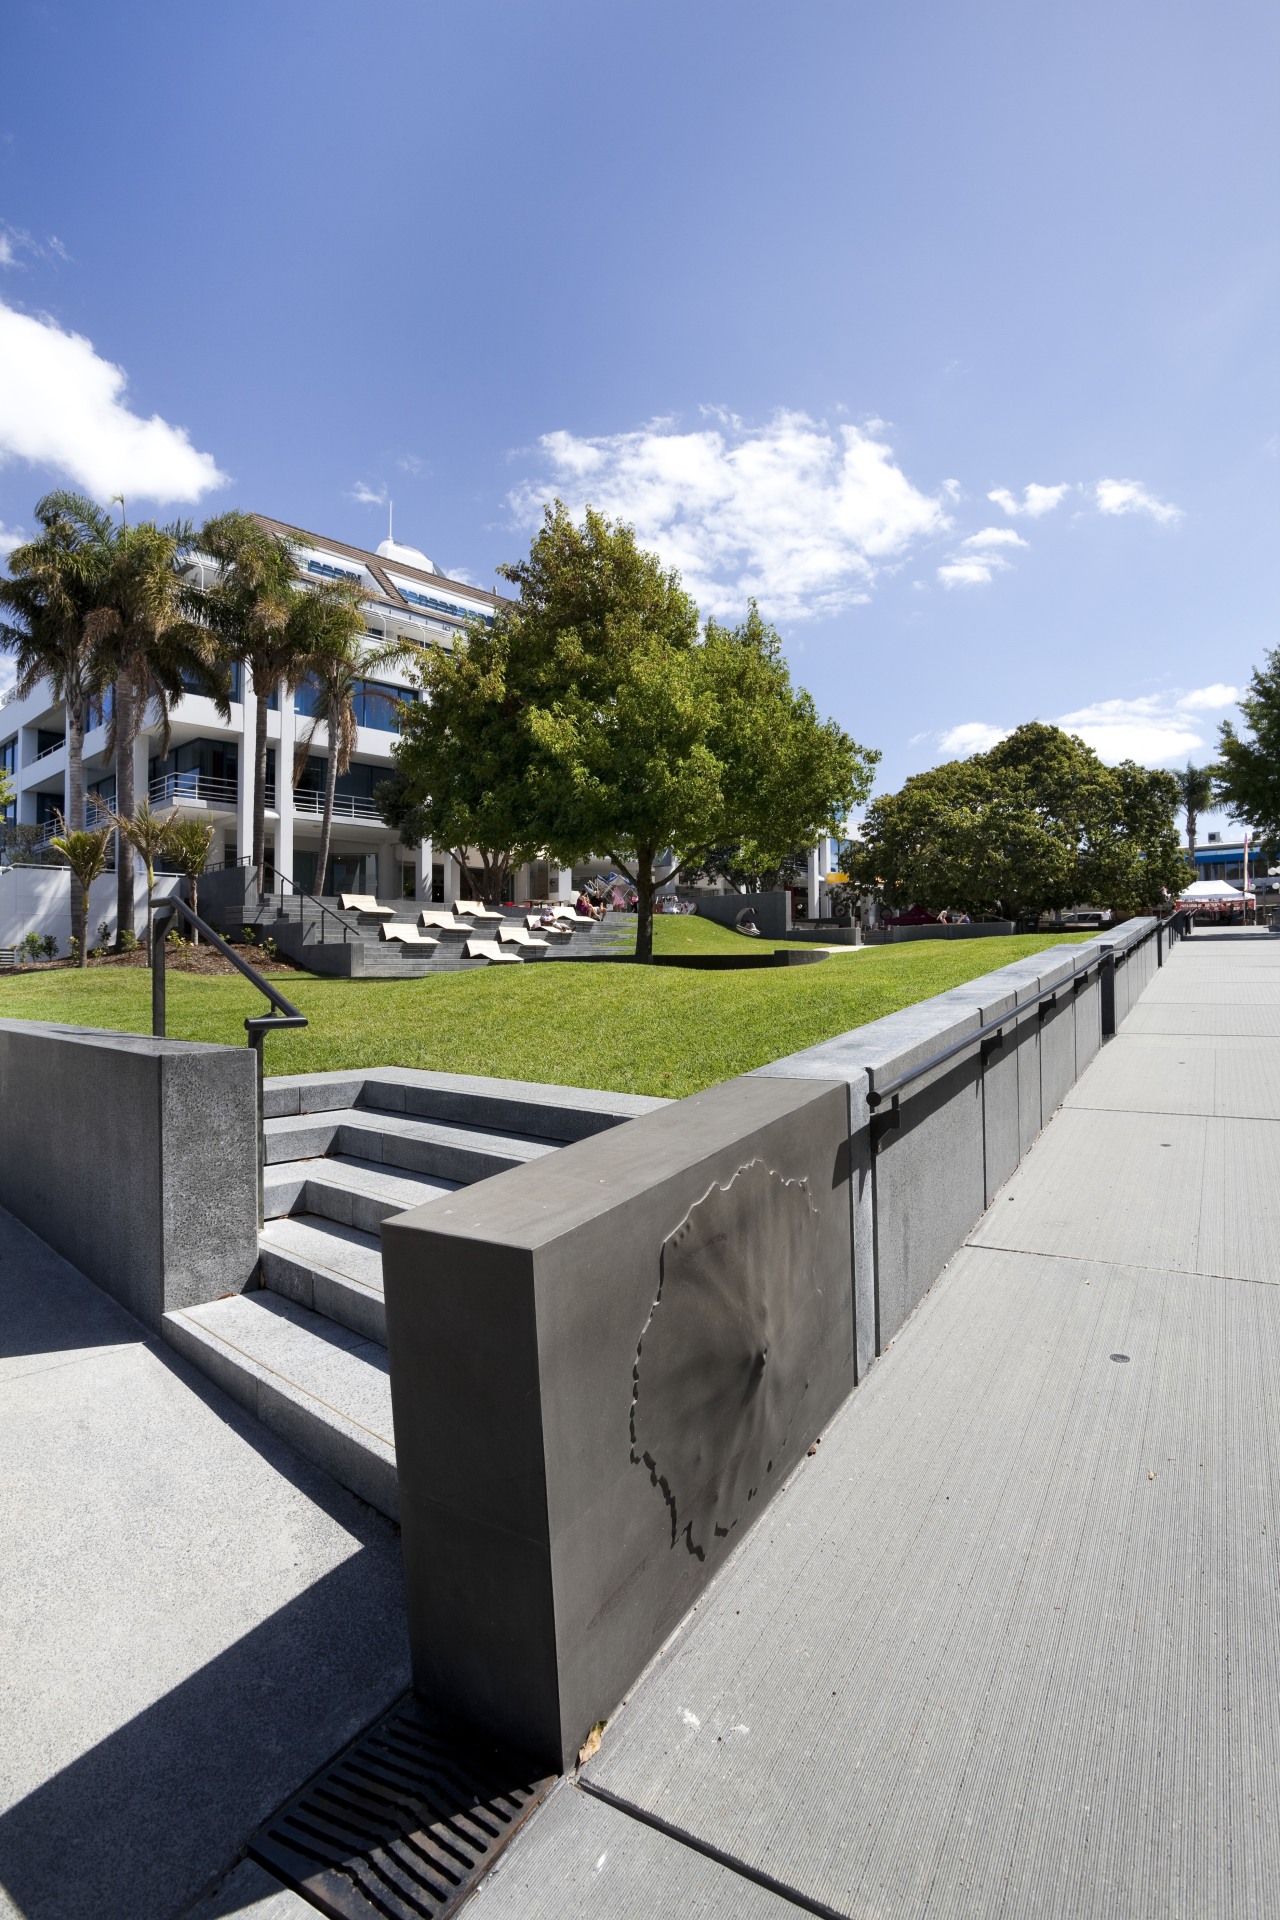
(709, 1852)
(1123, 1266)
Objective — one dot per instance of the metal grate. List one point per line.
(404, 1823)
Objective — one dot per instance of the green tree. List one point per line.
(86, 853)
(465, 756)
(339, 658)
(639, 738)
(1247, 777)
(153, 655)
(1195, 794)
(188, 844)
(149, 834)
(54, 589)
(1037, 824)
(261, 619)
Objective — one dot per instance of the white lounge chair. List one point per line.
(407, 934)
(522, 938)
(475, 910)
(559, 933)
(365, 903)
(438, 917)
(489, 950)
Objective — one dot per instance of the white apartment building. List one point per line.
(208, 765)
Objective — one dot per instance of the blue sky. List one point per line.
(812, 292)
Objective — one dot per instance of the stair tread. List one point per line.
(404, 1126)
(339, 1373)
(363, 1176)
(310, 1238)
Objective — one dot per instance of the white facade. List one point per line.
(208, 767)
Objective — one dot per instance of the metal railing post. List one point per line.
(159, 927)
(1108, 979)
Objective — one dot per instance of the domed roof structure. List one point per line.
(407, 556)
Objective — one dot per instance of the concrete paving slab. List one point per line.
(1010, 1642)
(1215, 1018)
(193, 1620)
(250, 1893)
(580, 1859)
(1167, 1191)
(1230, 1078)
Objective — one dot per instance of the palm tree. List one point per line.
(54, 591)
(340, 660)
(189, 845)
(155, 655)
(86, 855)
(1195, 791)
(149, 834)
(261, 618)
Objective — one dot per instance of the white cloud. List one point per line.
(797, 513)
(63, 406)
(10, 537)
(1130, 496)
(992, 537)
(8, 257)
(978, 570)
(1035, 499)
(1155, 729)
(365, 496)
(410, 463)
(977, 560)
(974, 736)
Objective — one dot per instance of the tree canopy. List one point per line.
(1248, 773)
(1037, 824)
(594, 717)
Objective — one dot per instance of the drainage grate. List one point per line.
(404, 1823)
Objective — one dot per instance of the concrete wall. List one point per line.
(136, 1159)
(602, 1364)
(975, 930)
(38, 900)
(772, 910)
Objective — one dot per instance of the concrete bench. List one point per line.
(408, 935)
(522, 938)
(474, 910)
(365, 903)
(488, 950)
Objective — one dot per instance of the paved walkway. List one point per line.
(192, 1619)
(1009, 1644)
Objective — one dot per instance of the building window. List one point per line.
(378, 705)
(9, 766)
(328, 572)
(432, 603)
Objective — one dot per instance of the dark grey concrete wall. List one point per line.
(136, 1159)
(601, 1370)
(772, 910)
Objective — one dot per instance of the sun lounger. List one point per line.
(442, 919)
(522, 938)
(408, 935)
(489, 950)
(559, 932)
(475, 910)
(365, 903)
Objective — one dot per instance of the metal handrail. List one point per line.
(349, 933)
(257, 1026)
(1041, 1001)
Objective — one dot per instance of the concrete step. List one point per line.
(456, 1151)
(354, 1192)
(331, 1269)
(319, 1386)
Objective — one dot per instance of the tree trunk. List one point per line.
(151, 931)
(644, 904)
(1193, 821)
(330, 792)
(126, 726)
(75, 814)
(260, 787)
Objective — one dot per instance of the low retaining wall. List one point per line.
(136, 1159)
(591, 1409)
(970, 930)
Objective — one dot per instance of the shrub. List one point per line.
(128, 941)
(49, 947)
(31, 947)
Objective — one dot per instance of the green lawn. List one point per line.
(626, 1028)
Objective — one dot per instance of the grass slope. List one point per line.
(621, 1027)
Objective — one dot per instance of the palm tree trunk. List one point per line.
(330, 792)
(260, 788)
(1193, 821)
(75, 813)
(126, 727)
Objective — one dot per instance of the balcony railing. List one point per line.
(47, 753)
(180, 789)
(346, 806)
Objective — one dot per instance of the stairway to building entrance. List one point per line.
(306, 1350)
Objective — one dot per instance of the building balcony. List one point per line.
(346, 806)
(193, 789)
